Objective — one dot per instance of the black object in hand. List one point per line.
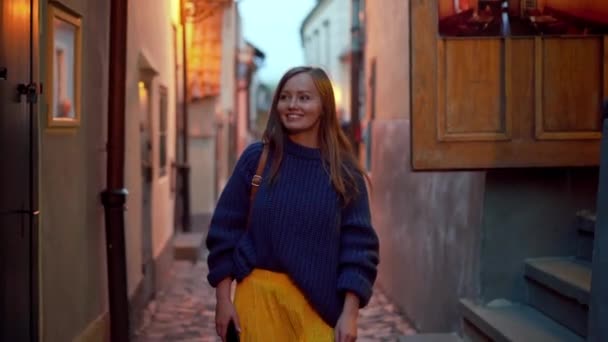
(232, 335)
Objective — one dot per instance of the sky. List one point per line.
(273, 26)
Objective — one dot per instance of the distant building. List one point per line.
(325, 35)
(250, 59)
(261, 101)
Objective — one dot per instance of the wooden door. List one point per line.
(18, 165)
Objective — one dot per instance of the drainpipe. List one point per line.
(184, 167)
(598, 311)
(355, 71)
(115, 195)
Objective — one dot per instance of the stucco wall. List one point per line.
(150, 45)
(202, 156)
(73, 290)
(428, 222)
(529, 213)
(227, 99)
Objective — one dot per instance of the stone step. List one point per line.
(584, 248)
(431, 338)
(560, 287)
(501, 320)
(188, 246)
(585, 224)
(586, 221)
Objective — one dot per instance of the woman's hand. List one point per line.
(224, 309)
(346, 328)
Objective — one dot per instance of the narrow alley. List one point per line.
(185, 311)
(481, 125)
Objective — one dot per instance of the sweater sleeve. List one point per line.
(359, 247)
(230, 217)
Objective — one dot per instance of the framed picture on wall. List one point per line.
(64, 55)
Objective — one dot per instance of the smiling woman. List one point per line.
(307, 237)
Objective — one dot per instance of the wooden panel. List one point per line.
(473, 70)
(523, 149)
(569, 73)
(521, 98)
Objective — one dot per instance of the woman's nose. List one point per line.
(293, 102)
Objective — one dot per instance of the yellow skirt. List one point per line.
(271, 308)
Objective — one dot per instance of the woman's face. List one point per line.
(299, 105)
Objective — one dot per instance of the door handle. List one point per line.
(3, 73)
(29, 90)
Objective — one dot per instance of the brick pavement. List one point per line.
(184, 312)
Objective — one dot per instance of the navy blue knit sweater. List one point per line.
(298, 227)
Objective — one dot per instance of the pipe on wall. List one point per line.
(355, 74)
(183, 165)
(115, 195)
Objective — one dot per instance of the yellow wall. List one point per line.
(150, 45)
(226, 107)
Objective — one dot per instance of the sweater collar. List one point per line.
(301, 150)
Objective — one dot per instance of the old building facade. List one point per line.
(478, 174)
(326, 40)
(59, 50)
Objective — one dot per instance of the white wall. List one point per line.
(326, 37)
(150, 38)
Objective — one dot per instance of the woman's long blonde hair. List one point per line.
(339, 159)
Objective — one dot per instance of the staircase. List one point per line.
(557, 299)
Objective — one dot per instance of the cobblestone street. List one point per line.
(184, 312)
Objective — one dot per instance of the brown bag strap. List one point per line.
(256, 181)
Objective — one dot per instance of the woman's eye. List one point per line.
(283, 97)
(304, 98)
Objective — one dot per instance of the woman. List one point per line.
(305, 259)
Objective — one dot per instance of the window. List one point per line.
(307, 48)
(327, 45)
(162, 130)
(317, 49)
